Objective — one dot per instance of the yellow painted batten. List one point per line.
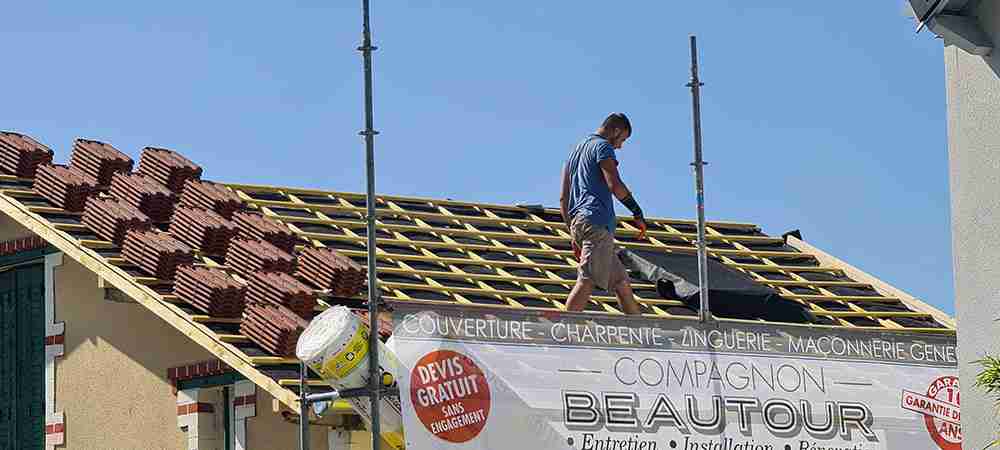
(233, 338)
(499, 235)
(202, 318)
(847, 298)
(17, 192)
(879, 285)
(91, 243)
(781, 268)
(878, 314)
(482, 277)
(316, 192)
(70, 227)
(272, 360)
(296, 383)
(813, 283)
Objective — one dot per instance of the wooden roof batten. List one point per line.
(735, 251)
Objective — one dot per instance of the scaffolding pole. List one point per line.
(695, 84)
(374, 389)
(374, 372)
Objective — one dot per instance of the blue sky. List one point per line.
(827, 119)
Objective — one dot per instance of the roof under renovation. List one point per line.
(241, 268)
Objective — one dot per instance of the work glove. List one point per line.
(640, 223)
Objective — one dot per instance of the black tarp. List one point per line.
(731, 293)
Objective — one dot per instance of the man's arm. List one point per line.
(609, 167)
(564, 197)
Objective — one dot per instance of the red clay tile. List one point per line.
(66, 187)
(99, 160)
(21, 155)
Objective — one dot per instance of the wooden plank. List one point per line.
(843, 298)
(49, 210)
(295, 382)
(814, 283)
(501, 264)
(859, 275)
(233, 338)
(91, 243)
(780, 268)
(877, 314)
(445, 203)
(272, 360)
(202, 318)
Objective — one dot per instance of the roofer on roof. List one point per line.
(589, 178)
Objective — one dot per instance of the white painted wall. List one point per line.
(973, 84)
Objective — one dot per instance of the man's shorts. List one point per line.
(598, 256)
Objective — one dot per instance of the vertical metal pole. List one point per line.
(699, 181)
(374, 373)
(303, 408)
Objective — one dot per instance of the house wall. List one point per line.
(111, 382)
(10, 229)
(269, 430)
(973, 84)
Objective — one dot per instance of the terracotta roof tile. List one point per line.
(21, 155)
(99, 160)
(168, 167)
(64, 186)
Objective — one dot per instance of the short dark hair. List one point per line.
(617, 121)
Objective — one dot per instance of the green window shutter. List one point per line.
(22, 357)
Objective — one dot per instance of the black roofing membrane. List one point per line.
(733, 294)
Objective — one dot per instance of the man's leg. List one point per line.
(580, 295)
(623, 290)
(581, 231)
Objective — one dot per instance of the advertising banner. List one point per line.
(523, 379)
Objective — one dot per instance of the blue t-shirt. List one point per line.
(589, 195)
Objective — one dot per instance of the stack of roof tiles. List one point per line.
(211, 195)
(146, 194)
(212, 291)
(99, 160)
(275, 329)
(250, 256)
(111, 219)
(282, 289)
(384, 323)
(21, 155)
(328, 269)
(168, 167)
(157, 253)
(64, 186)
(203, 229)
(256, 226)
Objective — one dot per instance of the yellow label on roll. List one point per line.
(395, 439)
(344, 362)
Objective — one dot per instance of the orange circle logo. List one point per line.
(450, 395)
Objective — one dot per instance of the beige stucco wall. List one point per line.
(111, 381)
(9, 229)
(269, 430)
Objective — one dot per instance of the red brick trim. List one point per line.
(245, 400)
(55, 428)
(57, 339)
(22, 245)
(196, 370)
(193, 408)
